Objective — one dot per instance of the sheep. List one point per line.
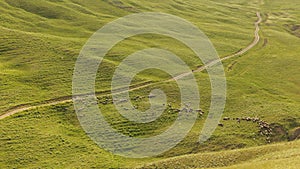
(226, 118)
(123, 100)
(221, 125)
(199, 111)
(184, 109)
(255, 120)
(176, 110)
(248, 119)
(151, 96)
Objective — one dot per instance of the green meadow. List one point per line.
(41, 40)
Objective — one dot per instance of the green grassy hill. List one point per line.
(275, 156)
(47, 36)
(39, 44)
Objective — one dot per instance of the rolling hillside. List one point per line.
(41, 40)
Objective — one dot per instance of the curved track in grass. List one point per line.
(66, 99)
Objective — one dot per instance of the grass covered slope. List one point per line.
(51, 137)
(41, 39)
(39, 47)
(276, 156)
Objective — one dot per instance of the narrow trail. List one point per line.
(250, 46)
(67, 99)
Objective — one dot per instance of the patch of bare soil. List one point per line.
(279, 133)
(121, 5)
(294, 29)
(295, 134)
(265, 42)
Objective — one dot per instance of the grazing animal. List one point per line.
(151, 96)
(221, 125)
(200, 111)
(184, 109)
(226, 118)
(255, 120)
(123, 101)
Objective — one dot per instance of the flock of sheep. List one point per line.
(264, 127)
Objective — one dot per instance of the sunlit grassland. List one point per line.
(277, 156)
(38, 51)
(41, 40)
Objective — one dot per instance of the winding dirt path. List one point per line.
(250, 46)
(66, 99)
